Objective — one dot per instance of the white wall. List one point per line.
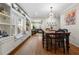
(44, 22)
(74, 29)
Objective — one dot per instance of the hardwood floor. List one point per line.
(33, 46)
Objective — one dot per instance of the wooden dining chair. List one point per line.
(59, 40)
(49, 39)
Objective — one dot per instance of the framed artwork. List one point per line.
(70, 17)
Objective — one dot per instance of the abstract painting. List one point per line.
(70, 18)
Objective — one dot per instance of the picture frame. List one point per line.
(70, 17)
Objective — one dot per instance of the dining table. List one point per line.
(66, 39)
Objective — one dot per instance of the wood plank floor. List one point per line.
(33, 46)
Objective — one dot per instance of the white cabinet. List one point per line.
(9, 22)
(6, 44)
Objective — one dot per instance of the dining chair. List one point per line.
(59, 40)
(49, 39)
(66, 30)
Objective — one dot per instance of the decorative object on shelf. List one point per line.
(0, 32)
(1, 9)
(70, 17)
(3, 34)
(4, 11)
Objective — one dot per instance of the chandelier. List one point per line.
(51, 14)
(51, 19)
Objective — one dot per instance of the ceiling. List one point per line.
(41, 10)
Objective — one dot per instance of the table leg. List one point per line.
(46, 43)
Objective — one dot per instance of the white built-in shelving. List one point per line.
(5, 18)
(16, 25)
(5, 15)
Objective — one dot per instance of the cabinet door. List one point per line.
(7, 45)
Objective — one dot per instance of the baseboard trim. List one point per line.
(74, 44)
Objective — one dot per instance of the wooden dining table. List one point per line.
(67, 34)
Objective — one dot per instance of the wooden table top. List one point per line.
(53, 32)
